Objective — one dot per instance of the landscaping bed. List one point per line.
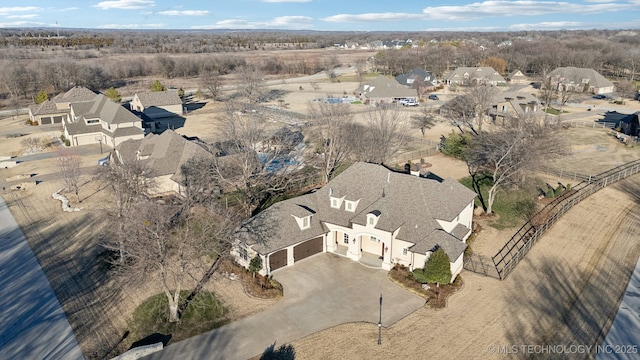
(255, 285)
(436, 296)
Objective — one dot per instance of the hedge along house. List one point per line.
(368, 214)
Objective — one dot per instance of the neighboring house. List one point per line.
(157, 104)
(56, 110)
(514, 104)
(517, 78)
(474, 76)
(101, 121)
(384, 90)
(163, 155)
(417, 75)
(580, 80)
(629, 124)
(369, 214)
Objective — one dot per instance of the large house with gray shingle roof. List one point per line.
(580, 80)
(384, 90)
(56, 110)
(157, 104)
(163, 155)
(475, 76)
(368, 214)
(100, 121)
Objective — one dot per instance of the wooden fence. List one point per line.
(506, 259)
(428, 147)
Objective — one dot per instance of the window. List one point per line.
(93, 121)
(404, 251)
(305, 222)
(371, 220)
(345, 238)
(244, 254)
(373, 238)
(334, 203)
(349, 205)
(504, 108)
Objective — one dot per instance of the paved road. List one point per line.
(34, 326)
(320, 292)
(623, 339)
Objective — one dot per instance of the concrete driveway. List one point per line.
(320, 292)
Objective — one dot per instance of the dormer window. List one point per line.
(336, 202)
(351, 205)
(372, 218)
(306, 222)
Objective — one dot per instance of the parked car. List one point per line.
(410, 103)
(104, 161)
(599, 96)
(433, 97)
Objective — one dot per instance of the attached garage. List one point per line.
(308, 248)
(278, 259)
(57, 119)
(46, 120)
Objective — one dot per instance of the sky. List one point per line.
(324, 15)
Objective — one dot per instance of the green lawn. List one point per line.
(204, 313)
(512, 207)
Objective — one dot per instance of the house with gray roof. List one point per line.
(56, 110)
(385, 90)
(157, 104)
(417, 77)
(517, 78)
(514, 105)
(100, 121)
(369, 214)
(474, 76)
(580, 80)
(163, 156)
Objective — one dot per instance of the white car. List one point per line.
(410, 103)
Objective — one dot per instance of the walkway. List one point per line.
(623, 339)
(34, 326)
(320, 292)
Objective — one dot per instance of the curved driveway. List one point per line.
(320, 292)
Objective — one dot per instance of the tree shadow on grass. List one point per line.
(284, 352)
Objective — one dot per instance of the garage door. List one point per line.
(307, 248)
(45, 120)
(57, 119)
(278, 259)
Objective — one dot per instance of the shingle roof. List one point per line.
(577, 75)
(159, 98)
(384, 87)
(166, 152)
(104, 109)
(413, 74)
(440, 238)
(75, 94)
(46, 107)
(518, 100)
(405, 202)
(475, 73)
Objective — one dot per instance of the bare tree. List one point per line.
(385, 133)
(69, 168)
(483, 97)
(250, 82)
(506, 154)
(425, 120)
(461, 112)
(331, 132)
(128, 182)
(210, 80)
(625, 88)
(32, 143)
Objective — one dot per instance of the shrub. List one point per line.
(67, 142)
(559, 190)
(454, 145)
(568, 187)
(436, 270)
(550, 194)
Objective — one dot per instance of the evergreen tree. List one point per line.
(157, 86)
(42, 97)
(436, 270)
(113, 94)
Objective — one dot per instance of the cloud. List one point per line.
(8, 11)
(502, 8)
(286, 1)
(373, 17)
(21, 24)
(290, 22)
(130, 26)
(550, 25)
(25, 16)
(125, 4)
(184, 12)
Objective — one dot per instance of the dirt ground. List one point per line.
(565, 292)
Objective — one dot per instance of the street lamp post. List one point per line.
(380, 323)
(99, 138)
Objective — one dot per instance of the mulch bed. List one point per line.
(263, 287)
(436, 296)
